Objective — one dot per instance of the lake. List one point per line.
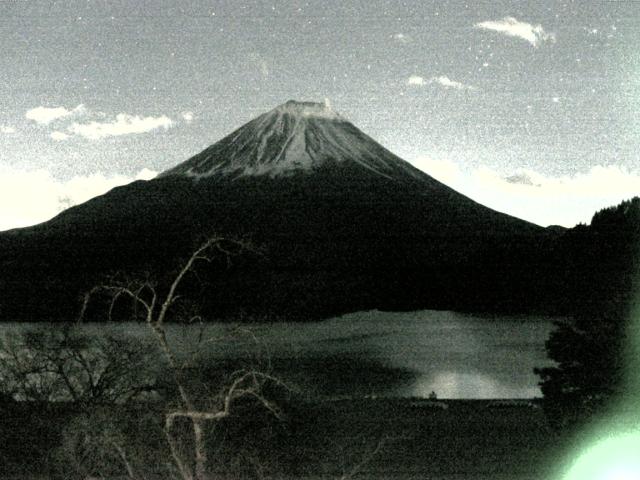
(408, 354)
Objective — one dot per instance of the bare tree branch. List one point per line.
(364, 461)
(145, 294)
(125, 461)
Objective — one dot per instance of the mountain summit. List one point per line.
(293, 138)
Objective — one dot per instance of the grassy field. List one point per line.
(364, 438)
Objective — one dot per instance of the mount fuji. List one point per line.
(344, 225)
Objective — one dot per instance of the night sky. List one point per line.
(532, 108)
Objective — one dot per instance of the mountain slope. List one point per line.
(344, 225)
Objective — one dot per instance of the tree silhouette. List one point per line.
(590, 347)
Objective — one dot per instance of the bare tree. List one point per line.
(91, 378)
(65, 365)
(154, 304)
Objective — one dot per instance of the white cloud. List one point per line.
(416, 80)
(8, 129)
(445, 171)
(187, 116)
(401, 37)
(58, 136)
(542, 199)
(20, 207)
(46, 115)
(124, 124)
(446, 82)
(442, 80)
(146, 174)
(534, 34)
(264, 68)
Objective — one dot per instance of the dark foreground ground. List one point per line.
(466, 440)
(361, 438)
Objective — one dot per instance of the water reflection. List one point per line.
(469, 385)
(380, 353)
(452, 354)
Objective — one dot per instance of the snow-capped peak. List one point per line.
(295, 137)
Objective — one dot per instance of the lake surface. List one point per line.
(378, 353)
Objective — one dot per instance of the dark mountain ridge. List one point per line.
(343, 224)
